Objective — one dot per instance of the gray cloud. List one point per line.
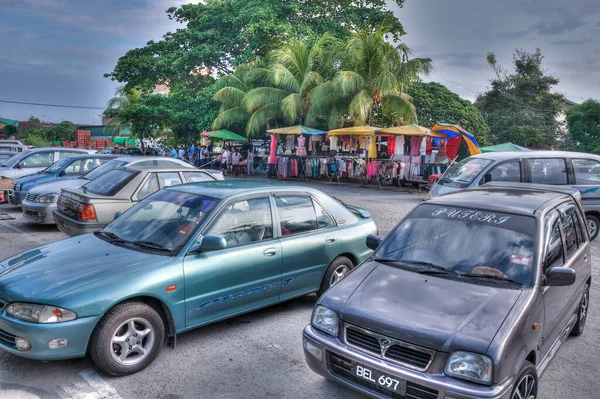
(514, 35)
(571, 42)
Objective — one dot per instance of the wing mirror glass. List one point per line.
(117, 214)
(209, 244)
(560, 277)
(373, 242)
(486, 179)
(22, 165)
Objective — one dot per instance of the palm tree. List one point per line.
(115, 106)
(278, 89)
(373, 80)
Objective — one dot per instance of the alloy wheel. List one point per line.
(592, 227)
(338, 274)
(584, 306)
(525, 388)
(132, 341)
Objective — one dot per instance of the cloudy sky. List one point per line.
(56, 51)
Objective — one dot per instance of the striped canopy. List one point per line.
(297, 130)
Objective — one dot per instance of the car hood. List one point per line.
(46, 272)
(55, 187)
(27, 182)
(436, 313)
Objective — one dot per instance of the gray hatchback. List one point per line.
(470, 296)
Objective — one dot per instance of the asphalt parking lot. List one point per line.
(257, 355)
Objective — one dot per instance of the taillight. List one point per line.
(87, 212)
(1, 196)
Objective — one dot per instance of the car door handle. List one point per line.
(330, 240)
(585, 258)
(270, 252)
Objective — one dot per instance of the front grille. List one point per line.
(33, 214)
(405, 354)
(343, 368)
(7, 339)
(31, 197)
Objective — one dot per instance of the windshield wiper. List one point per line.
(491, 277)
(112, 238)
(426, 267)
(151, 245)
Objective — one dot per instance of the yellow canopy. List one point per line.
(355, 131)
(412, 130)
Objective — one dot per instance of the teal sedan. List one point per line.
(182, 258)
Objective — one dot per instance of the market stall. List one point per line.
(460, 143)
(505, 147)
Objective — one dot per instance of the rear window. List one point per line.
(110, 183)
(104, 168)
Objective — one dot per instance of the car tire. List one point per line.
(582, 312)
(335, 272)
(120, 330)
(593, 226)
(526, 385)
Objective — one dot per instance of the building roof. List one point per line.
(524, 199)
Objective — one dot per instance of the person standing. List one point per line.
(236, 158)
(192, 152)
(224, 160)
(250, 162)
(181, 152)
(201, 157)
(173, 152)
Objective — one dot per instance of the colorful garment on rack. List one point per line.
(452, 147)
(415, 146)
(399, 145)
(301, 150)
(407, 146)
(441, 154)
(428, 145)
(333, 143)
(391, 145)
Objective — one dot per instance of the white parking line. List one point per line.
(105, 390)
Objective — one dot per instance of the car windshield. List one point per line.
(16, 159)
(55, 167)
(102, 169)
(462, 173)
(163, 221)
(465, 241)
(4, 157)
(110, 183)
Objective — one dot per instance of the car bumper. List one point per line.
(77, 332)
(74, 227)
(422, 385)
(17, 197)
(36, 212)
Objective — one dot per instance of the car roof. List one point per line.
(103, 156)
(228, 188)
(159, 168)
(131, 158)
(8, 152)
(523, 199)
(505, 155)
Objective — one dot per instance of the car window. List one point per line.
(507, 171)
(244, 222)
(548, 171)
(587, 171)
(554, 247)
(323, 219)
(150, 186)
(297, 214)
(462, 173)
(571, 228)
(109, 183)
(105, 167)
(39, 160)
(168, 179)
(168, 163)
(80, 167)
(195, 177)
(65, 154)
(145, 163)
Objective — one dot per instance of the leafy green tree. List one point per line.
(34, 119)
(372, 81)
(64, 131)
(583, 121)
(435, 103)
(221, 34)
(116, 107)
(520, 107)
(277, 91)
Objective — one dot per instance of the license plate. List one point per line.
(65, 226)
(382, 380)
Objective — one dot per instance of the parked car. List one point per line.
(123, 151)
(12, 147)
(40, 201)
(469, 296)
(5, 155)
(575, 169)
(30, 162)
(182, 258)
(94, 205)
(7, 141)
(66, 169)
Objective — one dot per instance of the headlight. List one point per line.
(470, 366)
(47, 198)
(325, 320)
(39, 313)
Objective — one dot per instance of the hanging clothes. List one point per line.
(372, 154)
(423, 149)
(428, 145)
(273, 152)
(415, 146)
(442, 153)
(407, 146)
(333, 143)
(399, 145)
(391, 145)
(301, 150)
(452, 147)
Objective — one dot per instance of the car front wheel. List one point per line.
(337, 270)
(127, 339)
(593, 226)
(527, 382)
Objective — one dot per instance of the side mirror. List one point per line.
(486, 179)
(117, 214)
(209, 244)
(560, 277)
(373, 242)
(22, 165)
(62, 173)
